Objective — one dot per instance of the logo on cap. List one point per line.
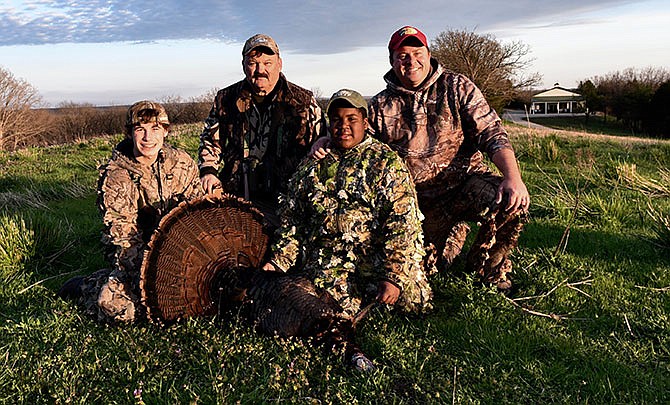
(408, 31)
(257, 41)
(342, 93)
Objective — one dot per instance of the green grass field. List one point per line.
(590, 322)
(594, 124)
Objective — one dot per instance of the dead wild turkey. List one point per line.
(205, 256)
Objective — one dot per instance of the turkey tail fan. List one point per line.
(193, 243)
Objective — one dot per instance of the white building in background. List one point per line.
(557, 101)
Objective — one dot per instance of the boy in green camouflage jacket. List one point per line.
(351, 221)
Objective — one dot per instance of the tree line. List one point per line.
(24, 123)
(638, 98)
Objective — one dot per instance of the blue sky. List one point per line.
(117, 52)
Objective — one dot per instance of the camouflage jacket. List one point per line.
(353, 216)
(440, 129)
(132, 199)
(269, 138)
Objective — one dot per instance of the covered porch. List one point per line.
(557, 101)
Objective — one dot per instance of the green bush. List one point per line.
(17, 247)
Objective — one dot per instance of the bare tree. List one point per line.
(207, 97)
(182, 111)
(320, 98)
(497, 68)
(17, 119)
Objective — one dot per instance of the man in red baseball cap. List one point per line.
(405, 34)
(413, 68)
(440, 123)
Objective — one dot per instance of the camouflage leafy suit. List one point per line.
(351, 220)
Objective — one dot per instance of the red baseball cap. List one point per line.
(404, 33)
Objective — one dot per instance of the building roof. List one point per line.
(557, 94)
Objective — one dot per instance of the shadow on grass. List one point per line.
(482, 349)
(66, 239)
(511, 358)
(595, 244)
(26, 192)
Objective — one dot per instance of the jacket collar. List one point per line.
(367, 139)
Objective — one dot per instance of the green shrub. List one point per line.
(539, 149)
(17, 247)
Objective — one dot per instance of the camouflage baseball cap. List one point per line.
(404, 33)
(351, 97)
(133, 116)
(260, 40)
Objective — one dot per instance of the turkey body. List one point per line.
(283, 304)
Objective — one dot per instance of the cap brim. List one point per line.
(266, 49)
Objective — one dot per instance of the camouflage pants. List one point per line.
(109, 296)
(446, 227)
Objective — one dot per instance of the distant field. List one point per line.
(590, 322)
(594, 124)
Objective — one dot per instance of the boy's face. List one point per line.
(347, 126)
(147, 141)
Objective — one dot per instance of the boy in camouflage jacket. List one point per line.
(144, 179)
(351, 221)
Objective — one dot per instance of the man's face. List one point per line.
(411, 64)
(147, 141)
(262, 71)
(347, 127)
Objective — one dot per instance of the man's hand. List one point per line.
(387, 293)
(518, 198)
(512, 186)
(320, 148)
(210, 183)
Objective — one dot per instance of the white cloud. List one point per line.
(598, 42)
(308, 27)
(106, 51)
